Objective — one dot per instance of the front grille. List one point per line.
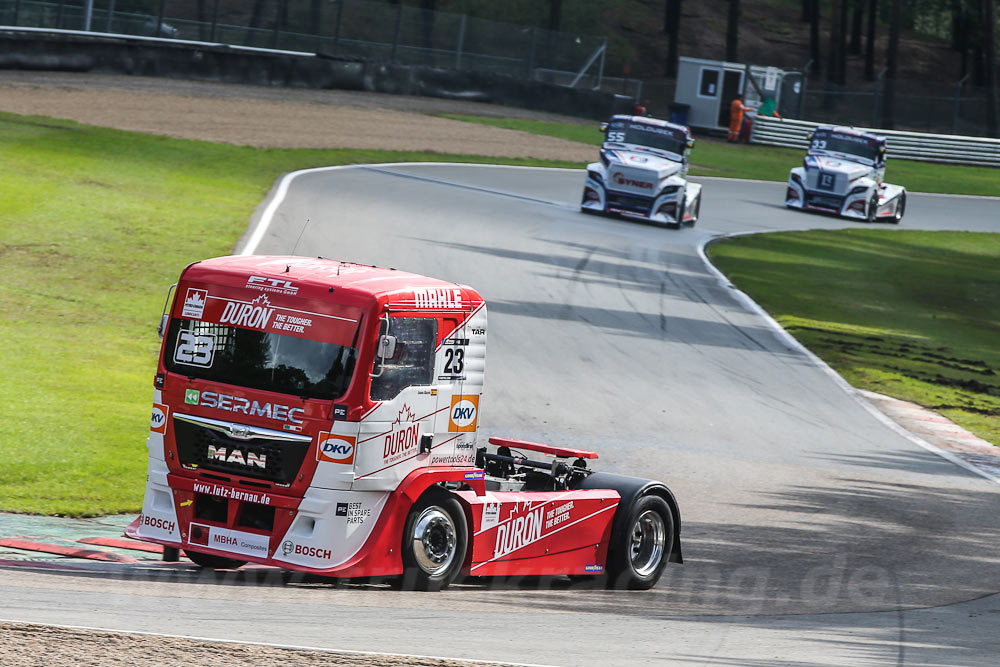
(819, 201)
(276, 461)
(633, 204)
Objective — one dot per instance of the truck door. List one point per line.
(392, 435)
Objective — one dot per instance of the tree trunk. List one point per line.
(835, 55)
(671, 26)
(857, 19)
(870, 41)
(842, 46)
(957, 25)
(733, 32)
(990, 35)
(892, 56)
(257, 17)
(814, 50)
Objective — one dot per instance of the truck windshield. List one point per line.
(258, 360)
(644, 134)
(845, 144)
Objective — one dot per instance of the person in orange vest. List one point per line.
(736, 118)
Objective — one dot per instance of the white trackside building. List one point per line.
(842, 174)
(642, 173)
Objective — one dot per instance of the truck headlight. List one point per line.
(670, 189)
(857, 189)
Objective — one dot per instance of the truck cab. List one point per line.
(323, 416)
(642, 172)
(843, 173)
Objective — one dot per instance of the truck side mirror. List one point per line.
(690, 142)
(604, 127)
(161, 328)
(386, 347)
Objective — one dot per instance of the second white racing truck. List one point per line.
(642, 173)
(842, 174)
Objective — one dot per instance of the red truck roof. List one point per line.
(313, 278)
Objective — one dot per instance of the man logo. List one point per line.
(287, 546)
(158, 420)
(335, 448)
(464, 413)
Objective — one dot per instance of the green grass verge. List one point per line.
(910, 314)
(95, 224)
(712, 157)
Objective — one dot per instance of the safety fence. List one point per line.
(378, 31)
(955, 107)
(948, 148)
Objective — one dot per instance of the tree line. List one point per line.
(852, 30)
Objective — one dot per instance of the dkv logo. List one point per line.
(335, 448)
(158, 420)
(464, 413)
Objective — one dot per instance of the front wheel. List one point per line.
(872, 207)
(638, 554)
(434, 542)
(697, 212)
(213, 562)
(900, 209)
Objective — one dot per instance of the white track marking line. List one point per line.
(282, 190)
(851, 391)
(335, 651)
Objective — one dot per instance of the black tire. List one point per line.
(900, 209)
(435, 539)
(697, 211)
(213, 562)
(872, 207)
(680, 212)
(639, 552)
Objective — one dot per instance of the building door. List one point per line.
(732, 85)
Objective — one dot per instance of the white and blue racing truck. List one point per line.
(642, 173)
(842, 174)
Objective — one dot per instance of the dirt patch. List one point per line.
(278, 117)
(30, 645)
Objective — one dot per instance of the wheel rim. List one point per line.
(434, 540)
(648, 542)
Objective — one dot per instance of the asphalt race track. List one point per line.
(812, 532)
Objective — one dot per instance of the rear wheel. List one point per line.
(638, 554)
(213, 562)
(434, 541)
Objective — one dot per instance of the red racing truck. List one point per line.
(323, 416)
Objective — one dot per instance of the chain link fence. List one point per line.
(378, 31)
(920, 106)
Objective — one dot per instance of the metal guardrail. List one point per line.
(949, 148)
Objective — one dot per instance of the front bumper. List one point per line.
(663, 208)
